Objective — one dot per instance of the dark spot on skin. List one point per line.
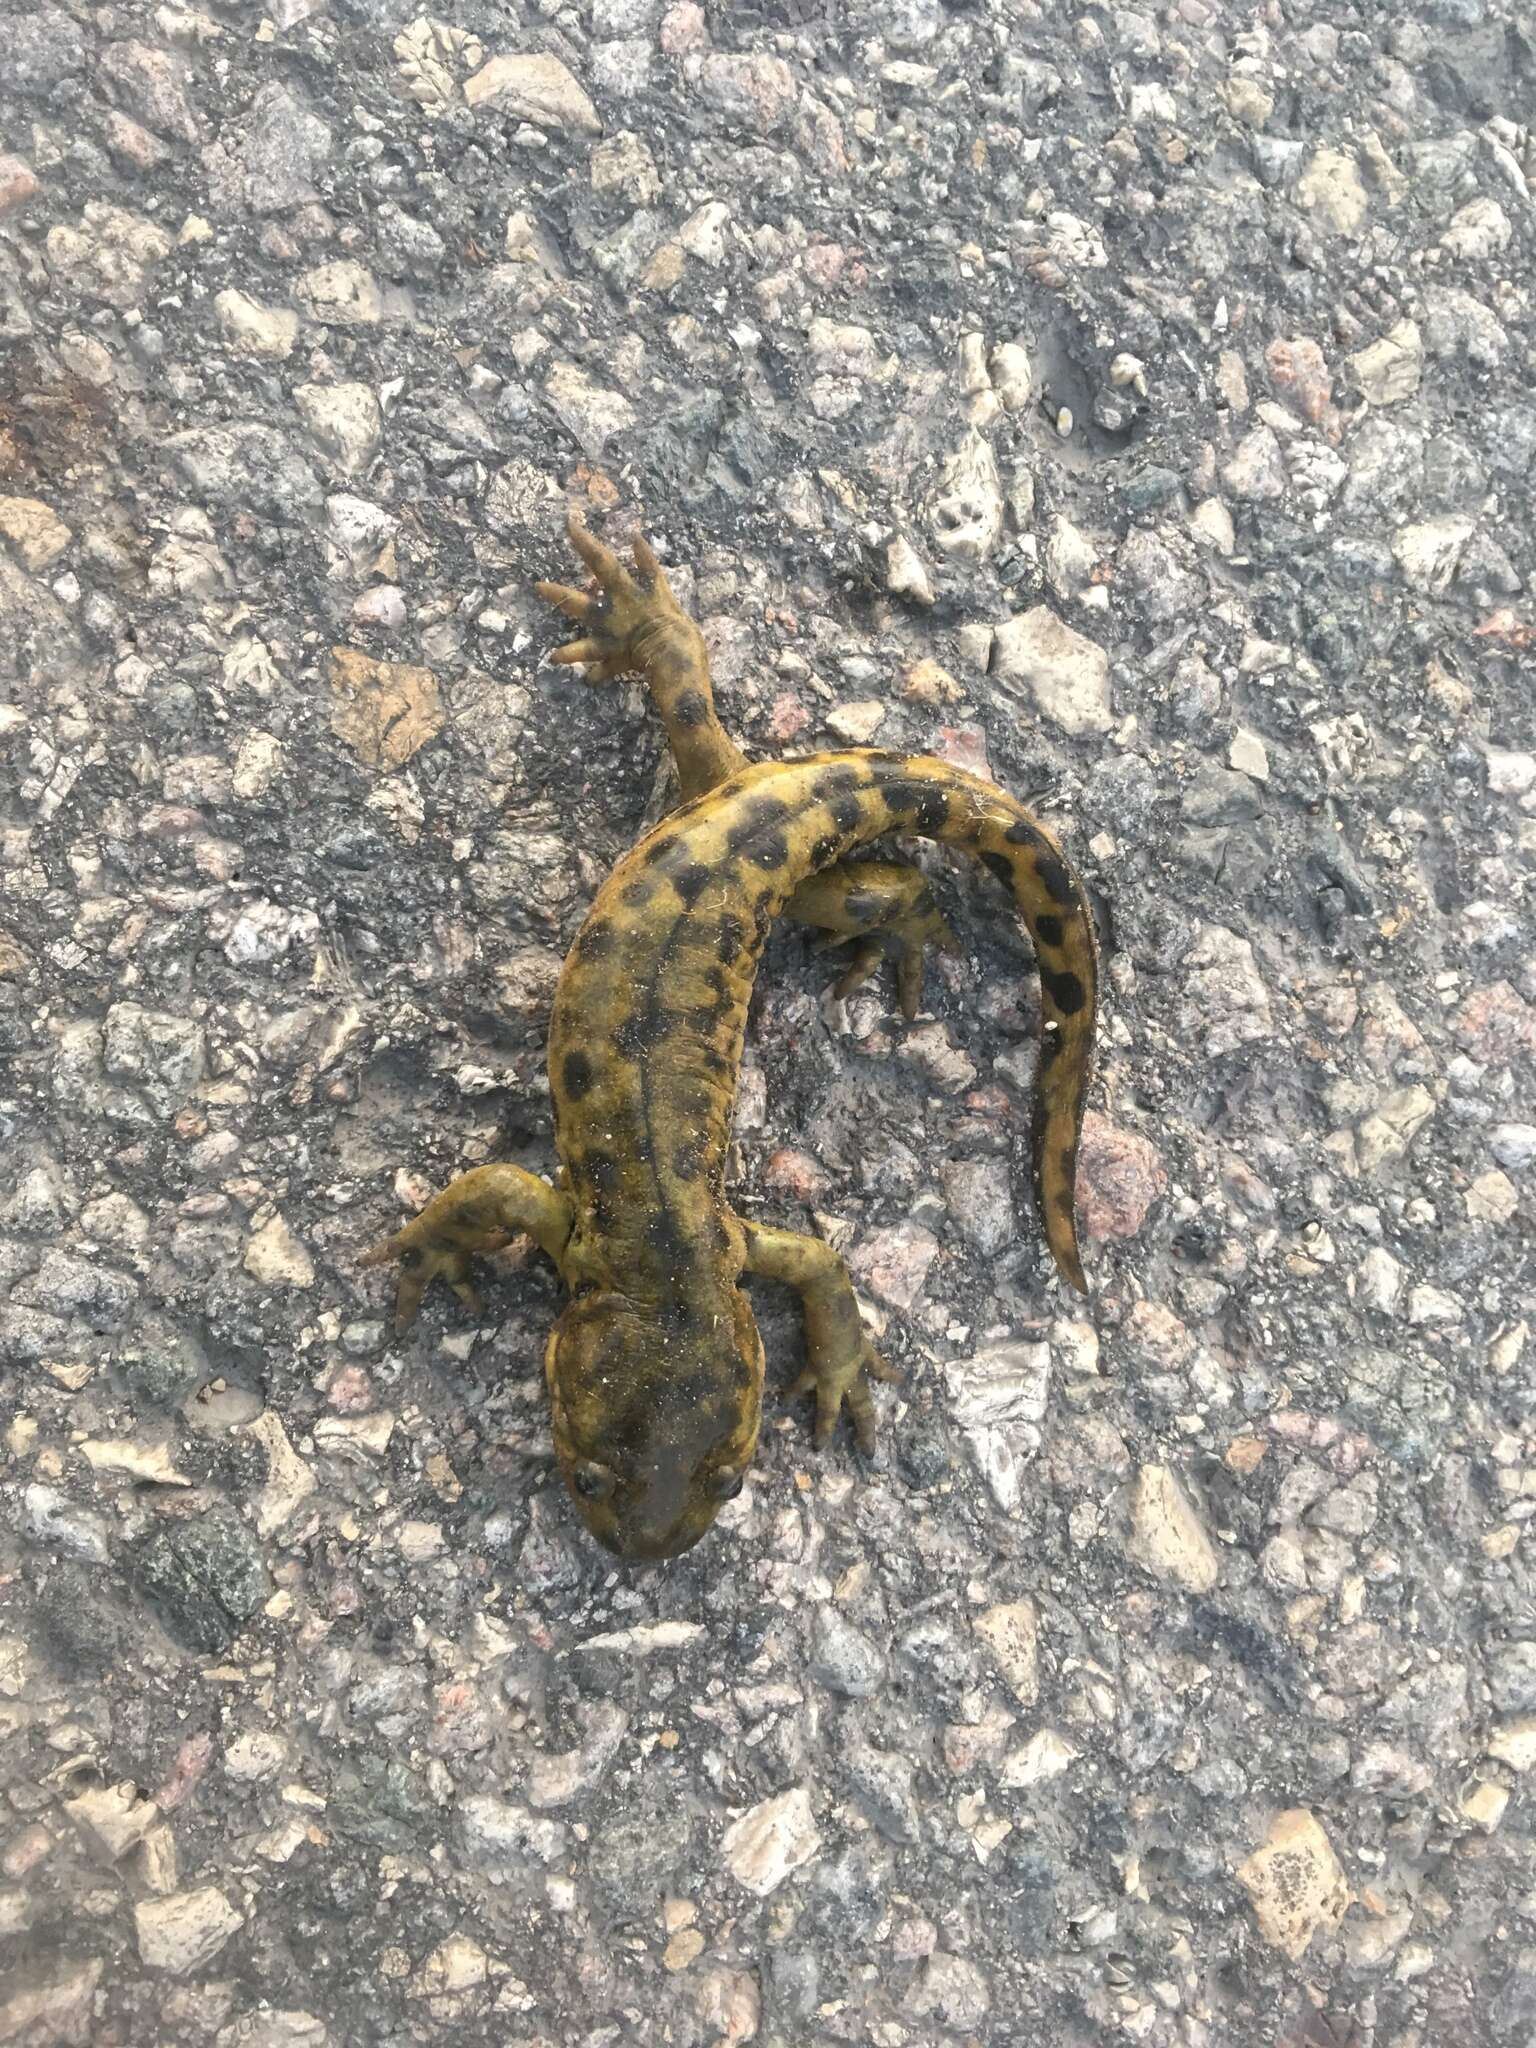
(685, 1160)
(596, 942)
(690, 708)
(861, 906)
(762, 915)
(643, 1032)
(732, 937)
(1050, 1045)
(720, 1236)
(691, 882)
(845, 1309)
(1022, 835)
(769, 852)
(576, 1074)
(714, 1062)
(932, 813)
(696, 1389)
(732, 788)
(759, 816)
(635, 894)
(1001, 866)
(1054, 877)
(847, 812)
(1048, 930)
(1065, 990)
(1068, 1164)
(922, 903)
(835, 782)
(601, 1170)
(824, 851)
(658, 850)
(662, 1235)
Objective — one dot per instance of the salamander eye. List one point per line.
(727, 1483)
(591, 1480)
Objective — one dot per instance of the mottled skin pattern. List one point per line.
(655, 1368)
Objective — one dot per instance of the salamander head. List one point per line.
(655, 1415)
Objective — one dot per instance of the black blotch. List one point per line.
(635, 894)
(1055, 877)
(643, 1032)
(861, 906)
(658, 850)
(824, 851)
(690, 708)
(685, 1159)
(1001, 866)
(601, 1170)
(1048, 930)
(932, 813)
(768, 852)
(696, 1388)
(847, 812)
(714, 1062)
(733, 787)
(761, 815)
(662, 1235)
(691, 882)
(732, 937)
(1065, 990)
(1023, 835)
(595, 943)
(1067, 1161)
(835, 781)
(576, 1074)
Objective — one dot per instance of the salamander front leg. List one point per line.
(839, 1354)
(633, 625)
(481, 1211)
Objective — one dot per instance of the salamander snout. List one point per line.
(655, 1418)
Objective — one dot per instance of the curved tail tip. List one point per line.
(1071, 1270)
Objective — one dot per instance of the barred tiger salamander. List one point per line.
(655, 1367)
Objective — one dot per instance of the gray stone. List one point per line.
(845, 1660)
(1512, 1678)
(247, 464)
(277, 147)
(204, 1579)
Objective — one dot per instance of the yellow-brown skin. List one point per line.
(655, 1369)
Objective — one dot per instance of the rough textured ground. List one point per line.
(1135, 400)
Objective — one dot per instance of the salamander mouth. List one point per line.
(643, 1546)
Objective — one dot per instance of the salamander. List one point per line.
(655, 1366)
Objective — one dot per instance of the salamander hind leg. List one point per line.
(481, 1211)
(841, 1359)
(889, 912)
